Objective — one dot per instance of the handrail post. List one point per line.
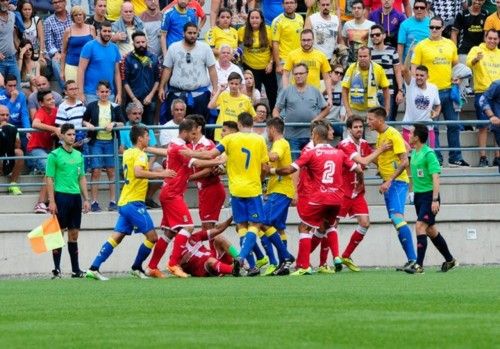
(116, 158)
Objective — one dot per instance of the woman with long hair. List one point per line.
(29, 68)
(250, 89)
(33, 30)
(257, 57)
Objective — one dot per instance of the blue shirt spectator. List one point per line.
(18, 108)
(172, 24)
(411, 32)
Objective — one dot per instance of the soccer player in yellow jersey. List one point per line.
(133, 216)
(392, 166)
(246, 154)
(439, 55)
(230, 103)
(315, 60)
(484, 60)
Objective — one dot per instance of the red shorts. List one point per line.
(315, 215)
(353, 207)
(175, 213)
(196, 265)
(210, 202)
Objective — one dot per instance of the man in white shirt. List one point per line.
(178, 109)
(326, 27)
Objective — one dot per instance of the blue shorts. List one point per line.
(69, 210)
(101, 148)
(276, 210)
(395, 197)
(134, 218)
(423, 206)
(247, 209)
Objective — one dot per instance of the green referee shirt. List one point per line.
(423, 164)
(66, 168)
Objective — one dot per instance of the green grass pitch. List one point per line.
(372, 309)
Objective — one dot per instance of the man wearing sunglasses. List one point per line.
(414, 29)
(439, 55)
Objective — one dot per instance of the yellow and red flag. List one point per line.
(46, 237)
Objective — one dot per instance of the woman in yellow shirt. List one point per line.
(257, 56)
(222, 33)
(230, 103)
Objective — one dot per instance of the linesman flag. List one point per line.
(46, 237)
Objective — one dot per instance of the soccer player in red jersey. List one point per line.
(323, 166)
(176, 218)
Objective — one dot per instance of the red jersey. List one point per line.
(324, 165)
(175, 161)
(194, 248)
(354, 184)
(302, 187)
(43, 139)
(204, 144)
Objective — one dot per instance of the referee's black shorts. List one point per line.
(423, 206)
(69, 210)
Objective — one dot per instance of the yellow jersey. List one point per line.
(438, 56)
(281, 184)
(229, 109)
(113, 8)
(217, 36)
(389, 161)
(246, 152)
(492, 22)
(286, 31)
(316, 61)
(256, 57)
(134, 188)
(487, 70)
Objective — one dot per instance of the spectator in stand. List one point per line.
(360, 85)
(102, 113)
(230, 102)
(300, 103)
(99, 60)
(257, 53)
(114, 8)
(41, 143)
(286, 30)
(249, 88)
(467, 30)
(439, 55)
(484, 62)
(490, 105)
(42, 84)
(356, 32)
(261, 116)
(152, 18)
(401, 6)
(15, 101)
(142, 77)
(313, 6)
(493, 20)
(173, 23)
(413, 30)
(10, 145)
(124, 27)
(75, 37)
(448, 10)
(316, 61)
(189, 71)
(29, 68)
(222, 33)
(225, 67)
(178, 111)
(33, 30)
(55, 26)
(198, 9)
(99, 16)
(388, 59)
(422, 102)
(238, 9)
(326, 28)
(271, 9)
(390, 19)
(490, 6)
(71, 111)
(337, 111)
(91, 4)
(8, 61)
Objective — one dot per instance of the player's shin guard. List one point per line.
(248, 242)
(304, 254)
(333, 241)
(179, 244)
(73, 255)
(421, 248)
(404, 235)
(284, 238)
(158, 252)
(323, 251)
(356, 237)
(142, 254)
(266, 243)
(103, 254)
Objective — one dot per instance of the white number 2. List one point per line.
(328, 171)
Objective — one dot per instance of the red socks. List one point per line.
(304, 250)
(223, 268)
(179, 244)
(333, 241)
(356, 238)
(323, 252)
(158, 252)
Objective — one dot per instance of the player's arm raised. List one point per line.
(156, 151)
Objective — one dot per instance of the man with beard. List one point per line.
(99, 60)
(326, 27)
(141, 76)
(189, 70)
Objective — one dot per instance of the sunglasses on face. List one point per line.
(375, 35)
(419, 7)
(434, 27)
(341, 73)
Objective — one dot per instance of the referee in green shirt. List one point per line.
(66, 182)
(425, 170)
